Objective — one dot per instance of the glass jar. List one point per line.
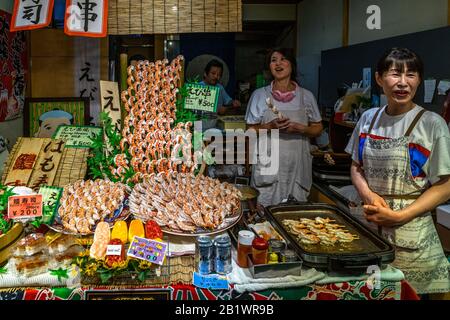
(245, 239)
(223, 254)
(260, 248)
(205, 251)
(288, 256)
(276, 246)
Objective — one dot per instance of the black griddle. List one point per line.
(369, 250)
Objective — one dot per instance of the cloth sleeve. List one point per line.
(255, 108)
(312, 110)
(226, 98)
(438, 164)
(353, 144)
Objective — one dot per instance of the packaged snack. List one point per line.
(32, 265)
(120, 231)
(101, 240)
(61, 244)
(136, 229)
(116, 252)
(30, 245)
(153, 230)
(65, 258)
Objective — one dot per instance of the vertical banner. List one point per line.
(31, 14)
(110, 101)
(87, 73)
(13, 68)
(86, 18)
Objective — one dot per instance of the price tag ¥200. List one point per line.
(28, 206)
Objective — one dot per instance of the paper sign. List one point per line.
(114, 250)
(200, 97)
(77, 136)
(50, 200)
(443, 86)
(430, 87)
(214, 281)
(31, 14)
(110, 102)
(86, 18)
(149, 250)
(29, 206)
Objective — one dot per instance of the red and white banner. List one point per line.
(31, 14)
(86, 18)
(13, 70)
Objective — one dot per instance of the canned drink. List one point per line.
(205, 251)
(223, 254)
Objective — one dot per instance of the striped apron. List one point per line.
(419, 254)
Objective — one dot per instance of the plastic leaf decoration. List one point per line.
(59, 273)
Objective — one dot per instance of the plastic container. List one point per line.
(276, 246)
(260, 248)
(245, 239)
(288, 256)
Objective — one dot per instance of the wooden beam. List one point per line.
(448, 12)
(345, 22)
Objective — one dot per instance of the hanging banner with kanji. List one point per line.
(86, 18)
(13, 69)
(31, 14)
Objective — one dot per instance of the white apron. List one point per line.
(294, 176)
(419, 253)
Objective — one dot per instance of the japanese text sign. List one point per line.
(31, 14)
(110, 102)
(77, 136)
(50, 199)
(214, 282)
(149, 250)
(29, 206)
(200, 97)
(86, 18)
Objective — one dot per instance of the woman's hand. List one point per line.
(372, 198)
(280, 124)
(384, 216)
(314, 129)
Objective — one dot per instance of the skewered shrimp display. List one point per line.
(319, 231)
(149, 135)
(183, 202)
(85, 203)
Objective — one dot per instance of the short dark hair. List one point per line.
(289, 55)
(213, 63)
(399, 58)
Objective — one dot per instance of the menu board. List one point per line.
(77, 136)
(201, 97)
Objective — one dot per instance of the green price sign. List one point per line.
(201, 97)
(77, 136)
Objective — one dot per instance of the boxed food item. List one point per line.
(29, 266)
(61, 244)
(65, 258)
(30, 245)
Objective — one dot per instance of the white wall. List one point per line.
(319, 28)
(397, 17)
(320, 24)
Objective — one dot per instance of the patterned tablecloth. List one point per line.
(353, 290)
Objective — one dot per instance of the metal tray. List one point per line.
(276, 270)
(369, 249)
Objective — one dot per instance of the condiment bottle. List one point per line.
(245, 239)
(260, 248)
(288, 256)
(276, 246)
(223, 254)
(273, 258)
(205, 251)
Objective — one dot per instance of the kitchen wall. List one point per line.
(320, 25)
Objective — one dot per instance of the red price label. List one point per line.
(29, 206)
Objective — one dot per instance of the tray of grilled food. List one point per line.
(326, 237)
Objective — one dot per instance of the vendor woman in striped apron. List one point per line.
(401, 170)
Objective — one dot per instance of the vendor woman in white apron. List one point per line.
(300, 121)
(401, 170)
